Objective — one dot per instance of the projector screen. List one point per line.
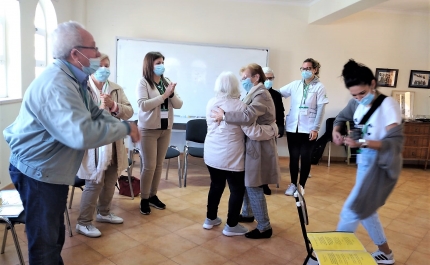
(194, 67)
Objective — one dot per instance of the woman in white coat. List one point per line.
(102, 166)
(308, 100)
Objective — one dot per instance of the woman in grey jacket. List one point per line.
(381, 130)
(261, 160)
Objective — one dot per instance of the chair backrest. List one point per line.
(329, 128)
(196, 130)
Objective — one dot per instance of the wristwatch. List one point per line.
(363, 143)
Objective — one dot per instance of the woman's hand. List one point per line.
(351, 142)
(217, 114)
(337, 138)
(169, 90)
(313, 135)
(106, 100)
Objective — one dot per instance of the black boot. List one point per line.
(144, 207)
(266, 189)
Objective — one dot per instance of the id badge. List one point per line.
(304, 111)
(164, 114)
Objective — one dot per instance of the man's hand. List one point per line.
(134, 132)
(217, 114)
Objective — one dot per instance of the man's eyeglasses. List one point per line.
(86, 47)
(305, 69)
(270, 78)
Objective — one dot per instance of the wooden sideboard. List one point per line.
(417, 142)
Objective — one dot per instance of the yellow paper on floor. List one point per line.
(339, 248)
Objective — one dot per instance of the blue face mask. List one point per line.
(247, 84)
(366, 100)
(94, 65)
(306, 74)
(159, 69)
(268, 83)
(102, 74)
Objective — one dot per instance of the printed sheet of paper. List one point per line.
(10, 203)
(345, 258)
(335, 241)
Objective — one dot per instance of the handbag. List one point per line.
(124, 186)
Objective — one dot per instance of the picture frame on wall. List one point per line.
(406, 102)
(419, 79)
(386, 77)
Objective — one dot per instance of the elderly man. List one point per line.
(56, 123)
(279, 107)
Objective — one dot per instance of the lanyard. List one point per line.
(82, 91)
(161, 87)
(305, 92)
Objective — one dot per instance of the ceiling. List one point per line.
(398, 6)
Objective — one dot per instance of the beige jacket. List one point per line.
(88, 166)
(261, 161)
(224, 146)
(149, 101)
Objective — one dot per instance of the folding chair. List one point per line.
(304, 221)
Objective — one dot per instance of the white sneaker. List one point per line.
(88, 230)
(238, 230)
(382, 258)
(302, 190)
(290, 190)
(110, 218)
(208, 224)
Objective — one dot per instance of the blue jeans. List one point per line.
(44, 206)
(349, 220)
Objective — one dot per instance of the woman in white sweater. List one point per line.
(224, 153)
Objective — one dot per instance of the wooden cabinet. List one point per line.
(417, 142)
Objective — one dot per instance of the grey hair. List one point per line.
(227, 85)
(64, 38)
(267, 70)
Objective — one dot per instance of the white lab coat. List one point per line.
(304, 123)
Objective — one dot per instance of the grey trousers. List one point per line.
(103, 190)
(254, 204)
(153, 148)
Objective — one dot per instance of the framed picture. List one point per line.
(386, 77)
(406, 102)
(419, 79)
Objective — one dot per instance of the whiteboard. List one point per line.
(194, 67)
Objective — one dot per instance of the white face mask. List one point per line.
(94, 65)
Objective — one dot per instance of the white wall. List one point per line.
(9, 111)
(378, 39)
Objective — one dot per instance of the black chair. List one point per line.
(10, 225)
(328, 132)
(195, 132)
(79, 183)
(173, 152)
(304, 221)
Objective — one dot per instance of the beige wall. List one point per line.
(378, 39)
(9, 111)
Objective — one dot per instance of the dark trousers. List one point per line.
(300, 148)
(44, 206)
(236, 184)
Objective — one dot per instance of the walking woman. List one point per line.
(156, 98)
(308, 100)
(378, 121)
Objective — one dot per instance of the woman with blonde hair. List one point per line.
(224, 153)
(261, 160)
(101, 166)
(156, 98)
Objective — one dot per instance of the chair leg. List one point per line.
(71, 197)
(329, 153)
(179, 172)
(4, 239)
(185, 169)
(66, 213)
(167, 169)
(15, 239)
(129, 171)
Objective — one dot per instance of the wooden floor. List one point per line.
(176, 236)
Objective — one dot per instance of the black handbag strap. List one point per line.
(375, 105)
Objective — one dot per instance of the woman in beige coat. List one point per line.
(261, 160)
(102, 166)
(156, 98)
